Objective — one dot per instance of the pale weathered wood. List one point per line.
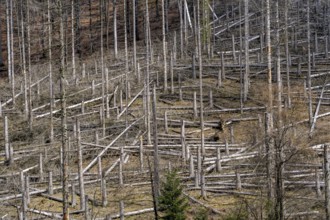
(165, 122)
(202, 180)
(218, 162)
(121, 164)
(44, 213)
(104, 192)
(195, 105)
(50, 183)
(317, 183)
(156, 175)
(183, 141)
(191, 166)
(6, 135)
(141, 154)
(41, 169)
(238, 181)
(80, 168)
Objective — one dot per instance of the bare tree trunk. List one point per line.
(246, 43)
(125, 35)
(115, 27)
(134, 35)
(279, 180)
(164, 47)
(9, 42)
(12, 52)
(278, 65)
(180, 6)
(90, 27)
(269, 59)
(64, 135)
(156, 157)
(24, 63)
(200, 78)
(241, 80)
(147, 88)
(51, 101)
(286, 39)
(30, 116)
(269, 154)
(6, 136)
(309, 81)
(1, 59)
(80, 169)
(78, 27)
(73, 39)
(102, 68)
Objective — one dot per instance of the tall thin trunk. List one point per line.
(164, 47)
(78, 27)
(1, 59)
(29, 66)
(137, 32)
(73, 39)
(102, 66)
(134, 35)
(286, 39)
(64, 135)
(269, 59)
(10, 66)
(80, 162)
(51, 101)
(309, 81)
(128, 24)
(24, 62)
(278, 65)
(125, 36)
(115, 27)
(12, 52)
(246, 43)
(90, 27)
(200, 78)
(126, 73)
(147, 88)
(8, 40)
(156, 157)
(240, 61)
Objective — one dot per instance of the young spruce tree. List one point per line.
(172, 203)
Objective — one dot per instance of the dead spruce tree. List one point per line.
(64, 134)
